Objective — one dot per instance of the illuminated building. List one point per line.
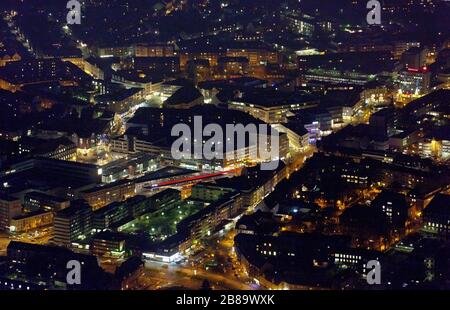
(34, 201)
(334, 77)
(108, 244)
(436, 217)
(414, 58)
(258, 223)
(355, 259)
(150, 131)
(206, 222)
(297, 134)
(31, 221)
(233, 66)
(17, 74)
(115, 51)
(290, 256)
(209, 192)
(402, 140)
(67, 169)
(383, 124)
(342, 104)
(129, 144)
(129, 272)
(445, 153)
(130, 166)
(198, 70)
(72, 224)
(444, 76)
(122, 101)
(425, 149)
(355, 175)
(89, 66)
(184, 98)
(49, 268)
(100, 196)
(368, 226)
(364, 46)
(10, 207)
(315, 118)
(270, 106)
(432, 148)
(303, 25)
(254, 185)
(109, 215)
(122, 213)
(169, 88)
(314, 132)
(376, 95)
(255, 56)
(413, 81)
(211, 56)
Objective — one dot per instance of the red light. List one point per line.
(194, 178)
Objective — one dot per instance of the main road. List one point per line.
(158, 275)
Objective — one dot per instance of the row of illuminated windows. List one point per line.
(347, 256)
